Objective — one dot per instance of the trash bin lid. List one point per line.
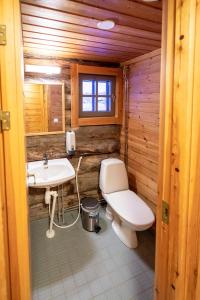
(89, 203)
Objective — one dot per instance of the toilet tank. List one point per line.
(113, 176)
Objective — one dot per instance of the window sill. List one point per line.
(99, 121)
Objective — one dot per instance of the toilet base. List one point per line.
(125, 234)
(109, 214)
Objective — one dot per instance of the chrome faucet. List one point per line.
(45, 159)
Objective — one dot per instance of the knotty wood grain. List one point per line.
(143, 126)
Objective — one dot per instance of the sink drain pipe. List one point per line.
(48, 194)
(54, 194)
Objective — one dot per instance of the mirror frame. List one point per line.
(63, 107)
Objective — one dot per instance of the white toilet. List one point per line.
(128, 212)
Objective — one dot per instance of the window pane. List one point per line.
(104, 87)
(88, 104)
(104, 104)
(89, 87)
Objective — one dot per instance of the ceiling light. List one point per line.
(106, 24)
(43, 69)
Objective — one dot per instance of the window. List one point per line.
(96, 95)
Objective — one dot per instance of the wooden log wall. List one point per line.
(143, 125)
(102, 139)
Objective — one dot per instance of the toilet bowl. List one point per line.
(127, 211)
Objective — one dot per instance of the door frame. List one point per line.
(12, 150)
(178, 242)
(165, 144)
(178, 159)
(4, 258)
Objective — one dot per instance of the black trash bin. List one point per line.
(90, 214)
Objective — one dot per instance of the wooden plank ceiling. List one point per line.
(68, 29)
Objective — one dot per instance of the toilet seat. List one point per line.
(131, 209)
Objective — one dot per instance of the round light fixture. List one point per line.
(106, 24)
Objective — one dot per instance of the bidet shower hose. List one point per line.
(79, 200)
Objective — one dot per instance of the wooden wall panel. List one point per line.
(143, 126)
(34, 110)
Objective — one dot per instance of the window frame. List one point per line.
(76, 119)
(112, 96)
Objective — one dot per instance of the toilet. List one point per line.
(127, 211)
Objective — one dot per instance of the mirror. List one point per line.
(44, 108)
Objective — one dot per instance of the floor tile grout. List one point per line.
(80, 265)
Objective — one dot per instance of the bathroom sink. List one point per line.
(55, 173)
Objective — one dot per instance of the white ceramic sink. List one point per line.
(57, 172)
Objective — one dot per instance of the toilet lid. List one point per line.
(130, 207)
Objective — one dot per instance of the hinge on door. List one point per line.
(2, 35)
(165, 212)
(5, 120)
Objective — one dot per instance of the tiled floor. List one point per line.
(77, 264)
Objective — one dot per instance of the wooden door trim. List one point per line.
(192, 286)
(183, 171)
(178, 244)
(11, 70)
(165, 144)
(4, 258)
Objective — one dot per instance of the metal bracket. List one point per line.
(2, 35)
(165, 212)
(5, 120)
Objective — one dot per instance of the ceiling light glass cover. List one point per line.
(106, 24)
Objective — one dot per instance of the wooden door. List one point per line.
(178, 242)
(14, 242)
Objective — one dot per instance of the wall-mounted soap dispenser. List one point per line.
(70, 142)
